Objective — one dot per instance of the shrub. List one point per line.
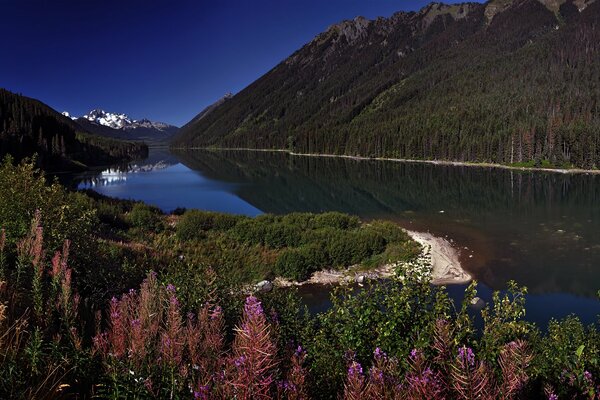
(194, 223)
(250, 231)
(391, 232)
(302, 220)
(340, 249)
(279, 235)
(365, 244)
(65, 215)
(145, 217)
(293, 264)
(336, 220)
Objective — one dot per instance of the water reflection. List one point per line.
(540, 229)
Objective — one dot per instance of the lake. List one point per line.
(540, 229)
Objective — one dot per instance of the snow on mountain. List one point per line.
(115, 121)
(121, 126)
(66, 114)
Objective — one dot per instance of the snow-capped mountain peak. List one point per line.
(66, 114)
(112, 120)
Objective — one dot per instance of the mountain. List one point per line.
(508, 81)
(28, 127)
(207, 110)
(121, 126)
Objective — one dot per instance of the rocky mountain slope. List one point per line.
(508, 81)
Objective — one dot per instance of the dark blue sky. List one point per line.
(161, 59)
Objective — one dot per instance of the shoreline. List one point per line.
(445, 263)
(409, 160)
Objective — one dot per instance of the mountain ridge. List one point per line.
(121, 126)
(447, 82)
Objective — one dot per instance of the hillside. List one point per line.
(30, 127)
(505, 81)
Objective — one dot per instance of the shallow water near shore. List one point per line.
(541, 229)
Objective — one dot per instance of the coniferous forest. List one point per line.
(30, 127)
(504, 82)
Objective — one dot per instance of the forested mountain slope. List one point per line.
(29, 127)
(505, 81)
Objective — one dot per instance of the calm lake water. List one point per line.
(540, 229)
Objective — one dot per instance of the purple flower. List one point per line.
(174, 301)
(587, 376)
(355, 369)
(216, 312)
(253, 307)
(299, 351)
(201, 393)
(135, 323)
(379, 353)
(171, 288)
(414, 353)
(240, 361)
(553, 397)
(466, 355)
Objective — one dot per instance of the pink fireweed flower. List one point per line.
(466, 355)
(355, 382)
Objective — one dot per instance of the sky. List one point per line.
(159, 59)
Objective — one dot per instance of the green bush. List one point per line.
(250, 231)
(279, 235)
(391, 232)
(64, 215)
(336, 220)
(293, 264)
(303, 221)
(194, 223)
(340, 249)
(145, 217)
(365, 244)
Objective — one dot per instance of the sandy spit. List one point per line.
(445, 263)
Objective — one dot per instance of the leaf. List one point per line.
(579, 351)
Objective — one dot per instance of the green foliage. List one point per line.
(64, 215)
(293, 245)
(194, 223)
(336, 220)
(565, 353)
(293, 264)
(145, 217)
(504, 320)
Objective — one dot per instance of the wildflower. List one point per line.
(587, 375)
(414, 353)
(355, 369)
(171, 288)
(379, 354)
(465, 354)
